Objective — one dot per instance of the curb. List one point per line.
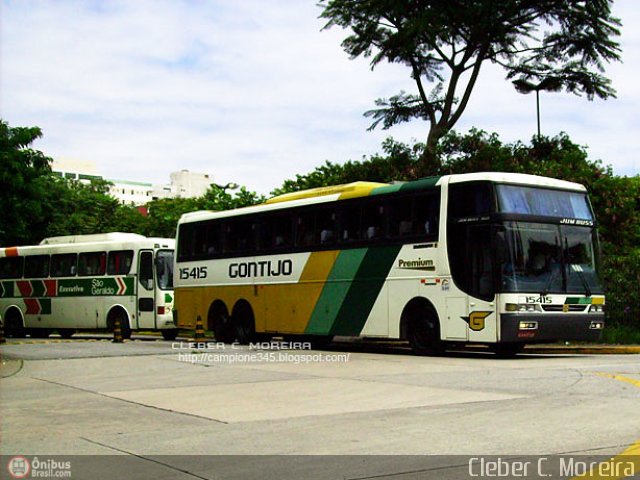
(585, 350)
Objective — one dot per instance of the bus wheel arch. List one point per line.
(244, 323)
(420, 325)
(14, 323)
(119, 312)
(219, 322)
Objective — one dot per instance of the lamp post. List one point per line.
(228, 186)
(549, 84)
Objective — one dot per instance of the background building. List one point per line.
(184, 184)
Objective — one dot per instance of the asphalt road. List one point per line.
(155, 409)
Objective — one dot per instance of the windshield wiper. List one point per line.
(547, 286)
(578, 269)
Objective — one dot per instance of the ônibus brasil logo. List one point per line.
(19, 467)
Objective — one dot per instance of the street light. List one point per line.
(228, 186)
(549, 84)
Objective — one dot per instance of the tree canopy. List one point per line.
(22, 177)
(565, 43)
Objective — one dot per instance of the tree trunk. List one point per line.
(430, 162)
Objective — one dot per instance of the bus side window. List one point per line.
(36, 266)
(11, 267)
(145, 275)
(305, 230)
(350, 223)
(425, 214)
(119, 262)
(326, 222)
(64, 265)
(373, 221)
(91, 264)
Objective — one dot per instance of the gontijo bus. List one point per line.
(490, 258)
(81, 282)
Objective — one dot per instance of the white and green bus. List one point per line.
(488, 258)
(86, 282)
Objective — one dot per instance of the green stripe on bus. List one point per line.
(578, 301)
(38, 288)
(45, 306)
(6, 289)
(96, 287)
(365, 289)
(335, 290)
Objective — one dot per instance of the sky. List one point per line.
(251, 91)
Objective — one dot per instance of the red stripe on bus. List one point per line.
(33, 306)
(11, 251)
(51, 288)
(26, 290)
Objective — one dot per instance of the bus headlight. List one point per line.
(522, 307)
(528, 326)
(596, 308)
(596, 325)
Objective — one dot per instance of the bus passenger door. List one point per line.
(146, 289)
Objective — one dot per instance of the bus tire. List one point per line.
(220, 323)
(170, 334)
(422, 328)
(40, 332)
(13, 327)
(66, 332)
(119, 314)
(244, 324)
(507, 350)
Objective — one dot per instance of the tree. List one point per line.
(445, 43)
(398, 162)
(76, 208)
(24, 177)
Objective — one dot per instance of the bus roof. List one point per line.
(98, 237)
(363, 189)
(85, 243)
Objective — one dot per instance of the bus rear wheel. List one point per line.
(243, 323)
(423, 330)
(170, 334)
(66, 332)
(40, 332)
(220, 323)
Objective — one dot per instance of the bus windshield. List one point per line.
(544, 258)
(164, 269)
(543, 202)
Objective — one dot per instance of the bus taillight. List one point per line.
(161, 310)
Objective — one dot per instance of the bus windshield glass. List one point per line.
(545, 259)
(543, 202)
(164, 269)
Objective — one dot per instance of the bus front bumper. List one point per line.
(532, 328)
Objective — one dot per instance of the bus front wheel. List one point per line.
(507, 350)
(13, 326)
(423, 330)
(120, 316)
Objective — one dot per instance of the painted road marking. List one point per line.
(630, 455)
(632, 381)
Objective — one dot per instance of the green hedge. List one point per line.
(621, 275)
